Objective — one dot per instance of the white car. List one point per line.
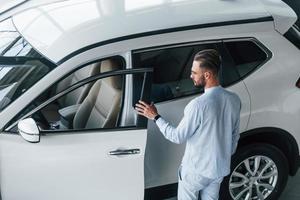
(72, 71)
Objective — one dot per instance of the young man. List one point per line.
(210, 128)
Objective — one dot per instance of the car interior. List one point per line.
(94, 105)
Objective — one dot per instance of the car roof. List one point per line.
(6, 5)
(60, 30)
(10, 8)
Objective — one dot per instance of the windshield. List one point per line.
(20, 65)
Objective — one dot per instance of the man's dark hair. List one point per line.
(209, 59)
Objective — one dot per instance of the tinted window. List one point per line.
(172, 68)
(246, 56)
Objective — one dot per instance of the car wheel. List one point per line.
(258, 172)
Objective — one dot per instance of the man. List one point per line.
(210, 128)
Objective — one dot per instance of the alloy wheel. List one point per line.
(253, 179)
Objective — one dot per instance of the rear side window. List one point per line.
(246, 56)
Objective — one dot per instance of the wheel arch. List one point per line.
(280, 138)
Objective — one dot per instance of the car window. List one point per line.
(172, 66)
(99, 109)
(171, 70)
(96, 104)
(20, 65)
(246, 56)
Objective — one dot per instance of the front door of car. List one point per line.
(87, 163)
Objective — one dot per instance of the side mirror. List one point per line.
(29, 130)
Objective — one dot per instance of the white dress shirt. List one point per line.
(210, 128)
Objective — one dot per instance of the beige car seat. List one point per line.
(101, 107)
(78, 95)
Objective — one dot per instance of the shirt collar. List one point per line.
(211, 89)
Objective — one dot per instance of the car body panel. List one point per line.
(279, 106)
(284, 16)
(73, 166)
(6, 5)
(10, 8)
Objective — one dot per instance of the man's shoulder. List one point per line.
(231, 94)
(234, 99)
(201, 102)
(195, 103)
(235, 96)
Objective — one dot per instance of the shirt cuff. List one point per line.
(161, 123)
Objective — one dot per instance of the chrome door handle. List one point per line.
(120, 152)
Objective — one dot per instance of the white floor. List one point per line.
(292, 189)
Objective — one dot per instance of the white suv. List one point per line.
(72, 71)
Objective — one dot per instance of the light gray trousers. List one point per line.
(195, 187)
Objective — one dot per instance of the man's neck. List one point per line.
(211, 84)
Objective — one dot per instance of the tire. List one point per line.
(266, 181)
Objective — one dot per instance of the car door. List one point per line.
(172, 89)
(75, 164)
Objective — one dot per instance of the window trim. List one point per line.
(74, 87)
(95, 130)
(175, 45)
(20, 60)
(163, 31)
(293, 34)
(220, 41)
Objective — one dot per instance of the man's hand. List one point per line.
(146, 110)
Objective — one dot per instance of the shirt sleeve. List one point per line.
(186, 128)
(236, 133)
(235, 136)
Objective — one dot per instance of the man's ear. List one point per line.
(207, 74)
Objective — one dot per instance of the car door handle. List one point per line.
(120, 152)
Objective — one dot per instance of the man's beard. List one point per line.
(202, 83)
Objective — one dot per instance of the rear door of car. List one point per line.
(171, 91)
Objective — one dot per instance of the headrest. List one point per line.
(111, 65)
(87, 71)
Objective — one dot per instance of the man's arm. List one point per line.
(235, 136)
(236, 130)
(186, 128)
